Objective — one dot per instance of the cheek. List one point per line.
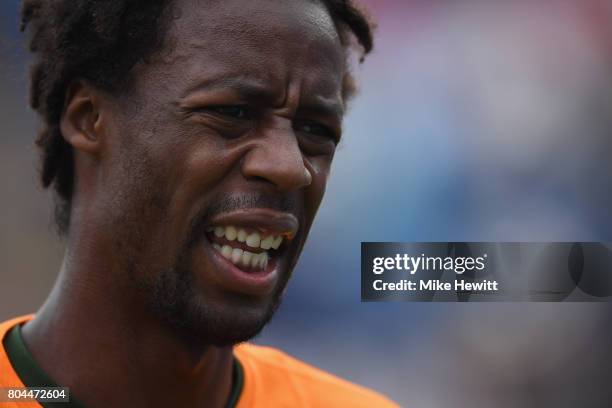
(200, 169)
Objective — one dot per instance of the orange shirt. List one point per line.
(271, 379)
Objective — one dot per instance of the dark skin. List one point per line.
(238, 114)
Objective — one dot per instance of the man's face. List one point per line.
(222, 152)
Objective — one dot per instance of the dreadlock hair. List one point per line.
(101, 41)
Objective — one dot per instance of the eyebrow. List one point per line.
(247, 86)
(256, 89)
(318, 105)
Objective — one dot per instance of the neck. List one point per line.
(95, 336)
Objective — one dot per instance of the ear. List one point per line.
(81, 119)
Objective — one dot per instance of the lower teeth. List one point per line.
(243, 258)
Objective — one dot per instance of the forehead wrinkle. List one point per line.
(264, 26)
(227, 42)
(311, 18)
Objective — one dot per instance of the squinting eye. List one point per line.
(236, 112)
(318, 130)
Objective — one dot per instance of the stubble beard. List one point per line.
(176, 301)
(171, 293)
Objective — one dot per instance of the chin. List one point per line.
(228, 323)
(201, 318)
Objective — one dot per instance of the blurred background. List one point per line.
(477, 120)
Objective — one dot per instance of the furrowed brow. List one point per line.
(330, 108)
(249, 88)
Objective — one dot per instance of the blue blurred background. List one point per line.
(477, 120)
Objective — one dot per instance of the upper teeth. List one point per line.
(252, 239)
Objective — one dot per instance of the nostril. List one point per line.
(259, 178)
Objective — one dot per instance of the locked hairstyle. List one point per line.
(101, 41)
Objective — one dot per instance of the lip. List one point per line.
(264, 219)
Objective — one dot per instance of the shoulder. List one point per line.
(286, 379)
(8, 377)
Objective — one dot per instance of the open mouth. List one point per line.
(250, 249)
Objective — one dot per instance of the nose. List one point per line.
(276, 158)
